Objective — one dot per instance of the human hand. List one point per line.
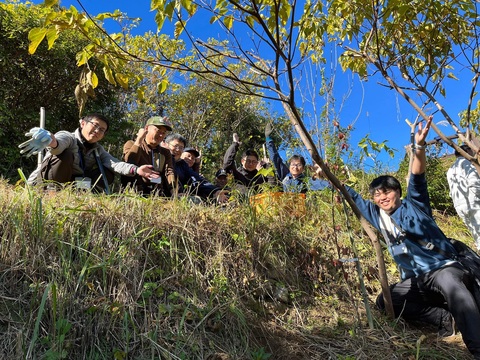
(41, 138)
(147, 172)
(140, 136)
(221, 196)
(236, 139)
(422, 131)
(268, 129)
(261, 164)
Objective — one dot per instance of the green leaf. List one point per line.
(35, 36)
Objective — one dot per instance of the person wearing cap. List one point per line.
(146, 150)
(221, 178)
(247, 174)
(192, 157)
(77, 156)
(464, 183)
(190, 183)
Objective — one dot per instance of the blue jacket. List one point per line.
(192, 182)
(299, 184)
(414, 216)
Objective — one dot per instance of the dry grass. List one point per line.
(97, 277)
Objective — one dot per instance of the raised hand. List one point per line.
(40, 139)
(268, 129)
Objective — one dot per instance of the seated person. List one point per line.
(293, 176)
(221, 178)
(190, 182)
(192, 158)
(146, 150)
(246, 174)
(77, 154)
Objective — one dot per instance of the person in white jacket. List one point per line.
(77, 156)
(464, 183)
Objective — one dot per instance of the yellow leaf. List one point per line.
(228, 22)
(122, 79)
(162, 86)
(35, 36)
(107, 71)
(92, 79)
(50, 3)
(52, 35)
(178, 29)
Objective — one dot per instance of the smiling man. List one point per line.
(146, 150)
(433, 287)
(77, 156)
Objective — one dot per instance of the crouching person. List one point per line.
(433, 287)
(77, 156)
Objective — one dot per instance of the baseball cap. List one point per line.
(160, 121)
(192, 151)
(220, 172)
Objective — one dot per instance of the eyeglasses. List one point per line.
(97, 127)
(296, 165)
(247, 161)
(177, 147)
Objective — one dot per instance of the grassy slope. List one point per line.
(96, 277)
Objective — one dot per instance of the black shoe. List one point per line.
(447, 325)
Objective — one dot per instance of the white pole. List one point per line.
(42, 125)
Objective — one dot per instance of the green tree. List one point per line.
(45, 80)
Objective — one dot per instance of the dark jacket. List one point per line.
(414, 216)
(190, 182)
(240, 174)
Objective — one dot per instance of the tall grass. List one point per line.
(123, 277)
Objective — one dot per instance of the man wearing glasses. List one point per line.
(77, 156)
(293, 176)
(246, 174)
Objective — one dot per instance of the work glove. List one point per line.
(41, 138)
(268, 130)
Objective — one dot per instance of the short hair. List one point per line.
(384, 182)
(97, 116)
(297, 157)
(175, 136)
(249, 152)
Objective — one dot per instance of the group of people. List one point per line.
(433, 287)
(158, 162)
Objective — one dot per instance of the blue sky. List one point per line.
(376, 110)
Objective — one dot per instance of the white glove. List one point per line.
(41, 138)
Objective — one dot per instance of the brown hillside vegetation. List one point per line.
(122, 277)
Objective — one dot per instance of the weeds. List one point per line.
(124, 277)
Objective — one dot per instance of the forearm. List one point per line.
(419, 160)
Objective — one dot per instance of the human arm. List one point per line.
(132, 150)
(419, 157)
(229, 158)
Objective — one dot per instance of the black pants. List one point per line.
(59, 168)
(426, 298)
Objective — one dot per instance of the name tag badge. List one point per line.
(399, 249)
(83, 183)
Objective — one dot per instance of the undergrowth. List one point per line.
(123, 277)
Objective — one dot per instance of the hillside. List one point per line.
(123, 277)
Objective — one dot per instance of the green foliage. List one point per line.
(44, 80)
